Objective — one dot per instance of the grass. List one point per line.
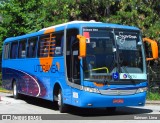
(153, 96)
(2, 88)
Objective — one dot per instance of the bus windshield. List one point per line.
(110, 51)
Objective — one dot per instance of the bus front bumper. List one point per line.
(94, 100)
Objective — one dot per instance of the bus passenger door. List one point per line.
(72, 61)
(75, 63)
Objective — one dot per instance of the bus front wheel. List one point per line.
(15, 90)
(61, 105)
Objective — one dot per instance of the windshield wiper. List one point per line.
(104, 81)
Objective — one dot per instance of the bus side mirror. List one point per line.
(154, 48)
(82, 46)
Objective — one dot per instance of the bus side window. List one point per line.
(43, 45)
(6, 51)
(59, 37)
(32, 47)
(22, 49)
(13, 51)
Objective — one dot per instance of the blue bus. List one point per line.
(85, 64)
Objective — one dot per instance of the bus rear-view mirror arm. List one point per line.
(154, 48)
(82, 46)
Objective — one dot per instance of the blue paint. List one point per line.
(33, 81)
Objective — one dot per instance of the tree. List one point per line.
(141, 13)
(25, 16)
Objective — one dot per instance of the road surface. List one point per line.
(28, 106)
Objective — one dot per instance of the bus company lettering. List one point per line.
(90, 30)
(122, 37)
(46, 68)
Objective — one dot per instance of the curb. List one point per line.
(154, 102)
(5, 91)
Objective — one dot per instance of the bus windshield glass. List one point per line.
(110, 51)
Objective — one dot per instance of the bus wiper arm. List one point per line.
(104, 81)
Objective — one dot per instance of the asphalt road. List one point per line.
(33, 106)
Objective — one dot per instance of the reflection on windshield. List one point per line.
(101, 61)
(100, 57)
(129, 52)
(131, 60)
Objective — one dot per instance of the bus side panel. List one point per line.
(57, 73)
(7, 78)
(11, 75)
(22, 71)
(33, 81)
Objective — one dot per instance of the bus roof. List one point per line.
(92, 23)
(71, 24)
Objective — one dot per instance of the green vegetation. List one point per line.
(2, 88)
(153, 96)
(19, 17)
(1, 82)
(0, 79)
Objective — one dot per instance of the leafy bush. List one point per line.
(0, 79)
(153, 96)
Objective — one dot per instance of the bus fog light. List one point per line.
(140, 90)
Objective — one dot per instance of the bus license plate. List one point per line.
(119, 101)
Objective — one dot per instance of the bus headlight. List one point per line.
(140, 90)
(92, 90)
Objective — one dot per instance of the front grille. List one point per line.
(118, 92)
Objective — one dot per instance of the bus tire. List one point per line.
(62, 107)
(15, 90)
